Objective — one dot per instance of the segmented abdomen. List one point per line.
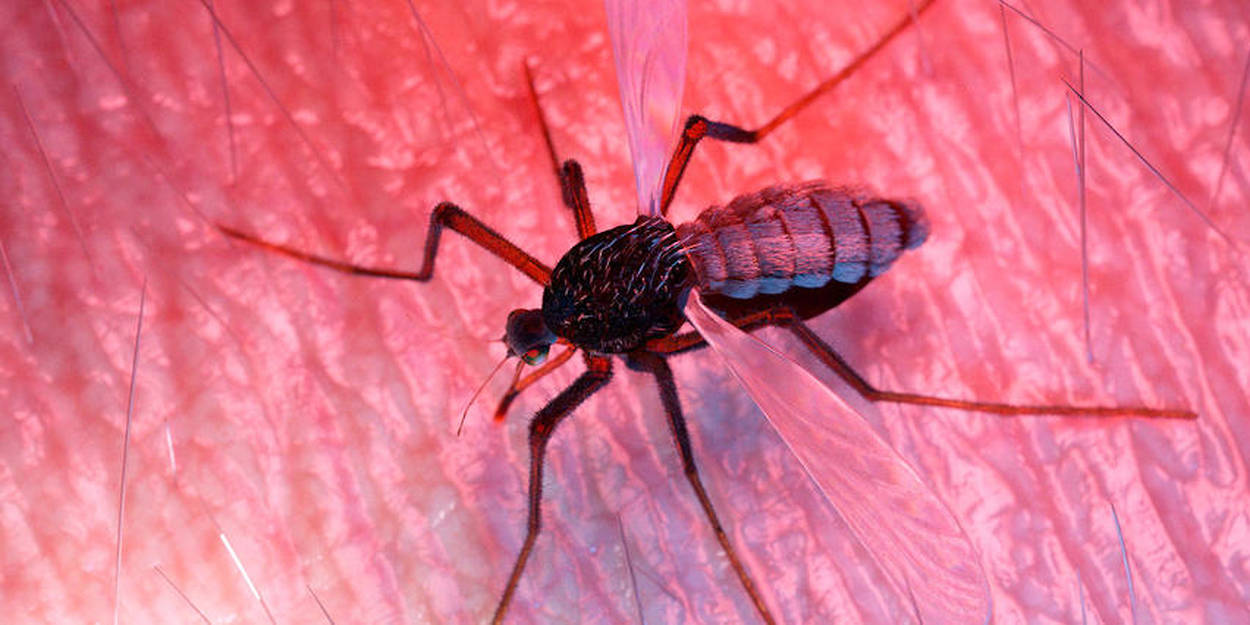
(802, 234)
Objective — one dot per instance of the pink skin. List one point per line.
(313, 415)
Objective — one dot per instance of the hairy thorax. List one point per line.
(618, 289)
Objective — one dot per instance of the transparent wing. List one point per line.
(914, 538)
(649, 44)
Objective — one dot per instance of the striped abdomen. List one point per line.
(802, 235)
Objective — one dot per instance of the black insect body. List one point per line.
(618, 289)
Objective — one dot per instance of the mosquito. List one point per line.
(774, 257)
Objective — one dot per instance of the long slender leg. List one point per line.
(672, 408)
(445, 215)
(572, 183)
(573, 190)
(786, 318)
(831, 359)
(598, 373)
(698, 127)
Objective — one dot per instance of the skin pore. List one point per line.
(312, 416)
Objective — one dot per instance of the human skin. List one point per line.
(312, 415)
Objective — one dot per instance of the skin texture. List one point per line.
(312, 415)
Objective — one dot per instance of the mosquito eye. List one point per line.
(535, 356)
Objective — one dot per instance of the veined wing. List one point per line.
(914, 538)
(649, 45)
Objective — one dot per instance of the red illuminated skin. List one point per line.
(312, 414)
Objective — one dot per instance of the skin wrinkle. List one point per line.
(313, 414)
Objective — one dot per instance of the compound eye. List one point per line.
(535, 356)
(527, 336)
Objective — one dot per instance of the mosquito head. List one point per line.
(527, 336)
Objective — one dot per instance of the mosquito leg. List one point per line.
(445, 215)
(690, 341)
(785, 317)
(672, 408)
(698, 127)
(827, 355)
(599, 372)
(573, 191)
(523, 383)
(572, 183)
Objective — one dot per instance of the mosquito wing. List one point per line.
(913, 537)
(649, 44)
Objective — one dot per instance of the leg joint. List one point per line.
(443, 211)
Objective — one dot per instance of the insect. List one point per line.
(627, 290)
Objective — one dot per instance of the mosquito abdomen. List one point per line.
(801, 235)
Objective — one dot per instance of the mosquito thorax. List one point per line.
(527, 335)
(615, 290)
